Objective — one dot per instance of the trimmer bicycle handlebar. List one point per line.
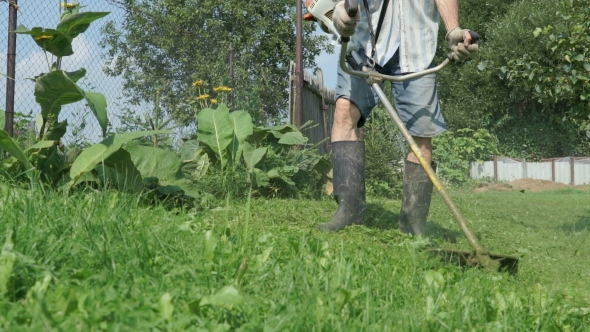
(398, 78)
(374, 74)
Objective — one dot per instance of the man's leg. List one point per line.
(417, 192)
(418, 106)
(348, 167)
(346, 118)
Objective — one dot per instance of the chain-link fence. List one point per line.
(31, 61)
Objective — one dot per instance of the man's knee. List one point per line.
(425, 146)
(346, 115)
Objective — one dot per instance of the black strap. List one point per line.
(381, 18)
(375, 34)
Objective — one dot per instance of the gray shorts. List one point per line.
(416, 101)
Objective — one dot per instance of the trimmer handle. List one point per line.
(474, 38)
(352, 8)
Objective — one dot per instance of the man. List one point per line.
(406, 42)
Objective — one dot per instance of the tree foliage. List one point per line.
(166, 45)
(527, 83)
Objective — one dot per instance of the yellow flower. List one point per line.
(202, 97)
(222, 89)
(43, 37)
(197, 83)
(213, 101)
(68, 5)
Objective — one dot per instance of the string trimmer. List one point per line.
(321, 11)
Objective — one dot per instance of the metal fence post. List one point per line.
(10, 67)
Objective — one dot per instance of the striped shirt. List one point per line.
(408, 25)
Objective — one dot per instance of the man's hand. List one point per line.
(344, 24)
(460, 42)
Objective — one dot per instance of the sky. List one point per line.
(31, 60)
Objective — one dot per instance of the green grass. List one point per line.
(100, 261)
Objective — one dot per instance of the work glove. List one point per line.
(344, 24)
(457, 38)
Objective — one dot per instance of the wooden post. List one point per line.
(299, 64)
(553, 170)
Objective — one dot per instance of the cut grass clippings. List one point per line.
(100, 261)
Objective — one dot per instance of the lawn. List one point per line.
(101, 261)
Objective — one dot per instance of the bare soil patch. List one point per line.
(532, 185)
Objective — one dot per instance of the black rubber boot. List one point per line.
(416, 199)
(349, 185)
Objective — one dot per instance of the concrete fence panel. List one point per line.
(568, 170)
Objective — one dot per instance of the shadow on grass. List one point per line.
(582, 224)
(438, 232)
(378, 216)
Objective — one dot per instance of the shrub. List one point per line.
(385, 152)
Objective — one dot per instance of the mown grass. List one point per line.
(101, 261)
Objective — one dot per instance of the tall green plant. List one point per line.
(271, 155)
(56, 87)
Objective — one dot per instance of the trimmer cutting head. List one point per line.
(467, 258)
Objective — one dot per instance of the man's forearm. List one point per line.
(449, 12)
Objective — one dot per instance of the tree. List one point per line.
(166, 45)
(509, 87)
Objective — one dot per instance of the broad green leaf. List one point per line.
(95, 154)
(10, 146)
(50, 40)
(71, 156)
(122, 162)
(2, 118)
(277, 173)
(228, 295)
(85, 177)
(185, 185)
(54, 163)
(253, 156)
(242, 127)
(151, 161)
(111, 177)
(7, 259)
(169, 189)
(38, 122)
(75, 76)
(260, 178)
(55, 89)
(165, 306)
(188, 151)
(98, 105)
(216, 130)
(41, 145)
(202, 165)
(293, 138)
(75, 24)
(277, 134)
(283, 129)
(57, 131)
